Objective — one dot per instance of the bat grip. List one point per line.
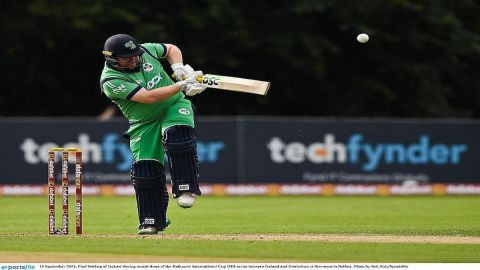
(198, 79)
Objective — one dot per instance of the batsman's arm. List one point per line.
(157, 94)
(173, 55)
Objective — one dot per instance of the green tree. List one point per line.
(421, 61)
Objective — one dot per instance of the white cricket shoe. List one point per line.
(186, 200)
(148, 230)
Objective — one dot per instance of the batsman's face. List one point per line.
(128, 62)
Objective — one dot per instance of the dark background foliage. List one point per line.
(422, 59)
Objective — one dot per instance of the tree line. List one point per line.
(422, 59)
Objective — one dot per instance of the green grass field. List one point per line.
(110, 226)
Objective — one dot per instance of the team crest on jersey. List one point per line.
(184, 111)
(147, 67)
(130, 45)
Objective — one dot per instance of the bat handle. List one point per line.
(198, 79)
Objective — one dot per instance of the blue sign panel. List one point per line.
(106, 154)
(314, 151)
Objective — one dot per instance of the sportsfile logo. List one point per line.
(368, 155)
(18, 267)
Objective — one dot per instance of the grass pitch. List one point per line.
(250, 229)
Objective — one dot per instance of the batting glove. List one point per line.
(181, 71)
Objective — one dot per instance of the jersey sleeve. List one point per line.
(159, 50)
(120, 89)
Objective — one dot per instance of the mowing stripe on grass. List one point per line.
(191, 250)
(352, 238)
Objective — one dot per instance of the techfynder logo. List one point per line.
(368, 155)
(111, 149)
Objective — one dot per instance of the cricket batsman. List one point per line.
(161, 122)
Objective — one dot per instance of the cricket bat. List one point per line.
(234, 84)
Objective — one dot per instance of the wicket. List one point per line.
(51, 190)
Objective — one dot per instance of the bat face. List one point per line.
(235, 84)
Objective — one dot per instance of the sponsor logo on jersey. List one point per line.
(138, 81)
(151, 84)
(130, 45)
(184, 111)
(147, 67)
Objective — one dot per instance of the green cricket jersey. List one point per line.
(147, 121)
(120, 87)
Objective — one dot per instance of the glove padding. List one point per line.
(194, 89)
(181, 72)
(190, 86)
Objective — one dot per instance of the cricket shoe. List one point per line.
(148, 230)
(186, 200)
(153, 230)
